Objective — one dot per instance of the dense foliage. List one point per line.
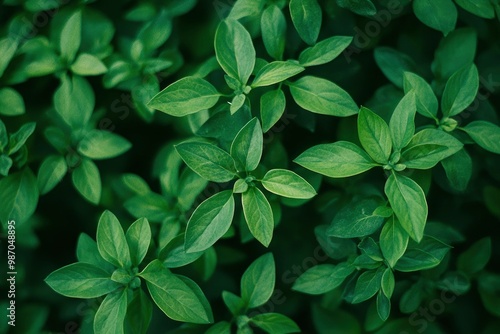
(250, 166)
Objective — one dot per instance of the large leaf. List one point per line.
(393, 64)
(402, 123)
(110, 316)
(272, 107)
(322, 97)
(74, 101)
(275, 323)
(185, 96)
(339, 159)
(246, 148)
(273, 28)
(234, 50)
(374, 135)
(138, 239)
(306, 17)
(111, 241)
(485, 134)
(426, 101)
(99, 144)
(460, 91)
(258, 215)
(209, 222)
(257, 282)
(407, 200)
(51, 172)
(440, 15)
(367, 285)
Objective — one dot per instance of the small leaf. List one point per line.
(51, 172)
(87, 180)
(440, 15)
(272, 107)
(458, 169)
(426, 254)
(152, 206)
(186, 96)
(87, 252)
(207, 160)
(138, 238)
(257, 282)
(402, 123)
(340, 159)
(426, 101)
(81, 280)
(174, 253)
(11, 102)
(460, 91)
(393, 241)
(110, 316)
(273, 28)
(287, 184)
(367, 285)
(111, 241)
(258, 215)
(234, 50)
(475, 258)
(139, 312)
(394, 64)
(481, 8)
(322, 97)
(100, 144)
(19, 138)
(388, 283)
(325, 51)
(5, 165)
(19, 197)
(306, 17)
(275, 72)
(74, 101)
(275, 323)
(383, 306)
(209, 222)
(246, 148)
(71, 35)
(407, 200)
(222, 327)
(87, 64)
(176, 298)
(374, 135)
(485, 134)
(322, 278)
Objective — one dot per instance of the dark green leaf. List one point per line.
(71, 34)
(258, 215)
(81, 280)
(257, 282)
(185, 96)
(272, 107)
(485, 134)
(426, 101)
(275, 72)
(152, 206)
(360, 7)
(19, 196)
(426, 254)
(11, 102)
(322, 278)
(246, 148)
(275, 323)
(87, 180)
(139, 313)
(207, 160)
(367, 285)
(460, 91)
(481, 8)
(273, 27)
(440, 15)
(408, 201)
(402, 123)
(74, 101)
(393, 241)
(458, 169)
(5, 165)
(476, 257)
(383, 306)
(306, 17)
(99, 144)
(340, 159)
(87, 252)
(393, 64)
(51, 172)
(209, 222)
(322, 97)
(19, 138)
(111, 241)
(174, 253)
(138, 238)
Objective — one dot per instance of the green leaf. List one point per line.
(100, 144)
(460, 91)
(258, 215)
(8, 47)
(428, 147)
(19, 138)
(370, 248)
(273, 28)
(481, 8)
(360, 7)
(234, 303)
(272, 107)
(367, 285)
(152, 206)
(321, 96)
(87, 252)
(394, 64)
(458, 169)
(275, 72)
(87, 180)
(71, 35)
(388, 283)
(139, 313)
(5, 164)
(325, 51)
(374, 135)
(74, 101)
(209, 222)
(222, 327)
(81, 280)
(11, 102)
(426, 254)
(426, 101)
(138, 238)
(110, 316)
(440, 15)
(51, 172)
(393, 241)
(186, 96)
(237, 102)
(246, 8)
(19, 196)
(322, 278)
(174, 296)
(174, 253)
(306, 17)
(383, 306)
(234, 50)
(257, 282)
(485, 134)
(339, 159)
(207, 160)
(287, 184)
(407, 200)
(489, 290)
(246, 148)
(275, 323)
(87, 64)
(475, 258)
(157, 30)
(111, 241)
(4, 136)
(402, 123)
(356, 219)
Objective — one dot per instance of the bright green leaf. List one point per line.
(110, 316)
(111, 241)
(287, 184)
(100, 144)
(51, 172)
(257, 282)
(275, 72)
(325, 51)
(258, 215)
(272, 107)
(374, 135)
(138, 238)
(393, 241)
(246, 148)
(460, 91)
